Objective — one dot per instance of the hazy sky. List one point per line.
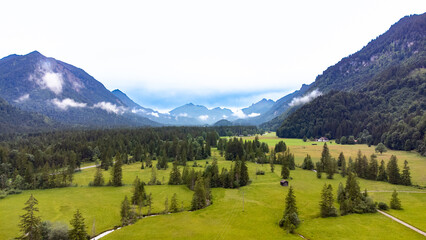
(217, 53)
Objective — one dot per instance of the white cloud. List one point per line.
(45, 77)
(183, 115)
(238, 113)
(253, 115)
(134, 110)
(305, 99)
(154, 114)
(224, 116)
(110, 108)
(203, 117)
(67, 103)
(23, 98)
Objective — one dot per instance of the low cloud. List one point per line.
(23, 98)
(154, 114)
(183, 115)
(134, 110)
(110, 108)
(203, 117)
(67, 103)
(305, 99)
(224, 116)
(253, 115)
(46, 78)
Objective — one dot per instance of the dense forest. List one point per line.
(47, 160)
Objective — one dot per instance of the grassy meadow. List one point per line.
(231, 217)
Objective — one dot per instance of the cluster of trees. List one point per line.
(370, 169)
(49, 159)
(32, 227)
(253, 151)
(351, 199)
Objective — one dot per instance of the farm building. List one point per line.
(284, 183)
(323, 139)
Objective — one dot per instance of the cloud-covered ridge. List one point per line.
(305, 99)
(67, 103)
(23, 98)
(110, 108)
(46, 78)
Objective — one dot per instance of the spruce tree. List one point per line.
(244, 178)
(117, 174)
(153, 179)
(98, 178)
(393, 171)
(395, 203)
(78, 231)
(382, 175)
(175, 176)
(373, 168)
(290, 220)
(340, 159)
(327, 208)
(325, 158)
(174, 204)
(405, 177)
(341, 196)
(199, 200)
(139, 194)
(272, 164)
(343, 170)
(125, 212)
(285, 172)
(30, 223)
(166, 206)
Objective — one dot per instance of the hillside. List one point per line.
(14, 120)
(62, 92)
(404, 39)
(380, 93)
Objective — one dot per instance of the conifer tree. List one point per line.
(382, 175)
(30, 223)
(343, 170)
(98, 178)
(199, 200)
(405, 177)
(149, 203)
(340, 159)
(174, 204)
(318, 167)
(153, 179)
(393, 170)
(325, 158)
(125, 212)
(290, 220)
(78, 231)
(327, 208)
(166, 206)
(139, 194)
(117, 174)
(244, 178)
(395, 203)
(373, 168)
(307, 163)
(271, 162)
(285, 172)
(341, 196)
(175, 176)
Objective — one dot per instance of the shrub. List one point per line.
(383, 206)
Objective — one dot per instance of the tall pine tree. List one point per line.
(290, 220)
(30, 223)
(78, 231)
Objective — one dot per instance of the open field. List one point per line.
(416, 162)
(225, 219)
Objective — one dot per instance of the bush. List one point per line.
(260, 172)
(383, 206)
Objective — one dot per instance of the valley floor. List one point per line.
(251, 212)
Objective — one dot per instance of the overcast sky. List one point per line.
(217, 53)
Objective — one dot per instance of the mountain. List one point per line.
(62, 92)
(14, 120)
(259, 108)
(378, 94)
(201, 114)
(222, 123)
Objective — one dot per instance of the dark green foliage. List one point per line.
(382, 206)
(78, 230)
(199, 199)
(373, 168)
(139, 194)
(395, 203)
(343, 169)
(234, 149)
(382, 175)
(244, 176)
(405, 176)
(327, 208)
(280, 147)
(392, 170)
(30, 223)
(117, 172)
(290, 220)
(175, 176)
(352, 201)
(99, 178)
(285, 171)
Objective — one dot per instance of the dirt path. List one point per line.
(379, 191)
(403, 223)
